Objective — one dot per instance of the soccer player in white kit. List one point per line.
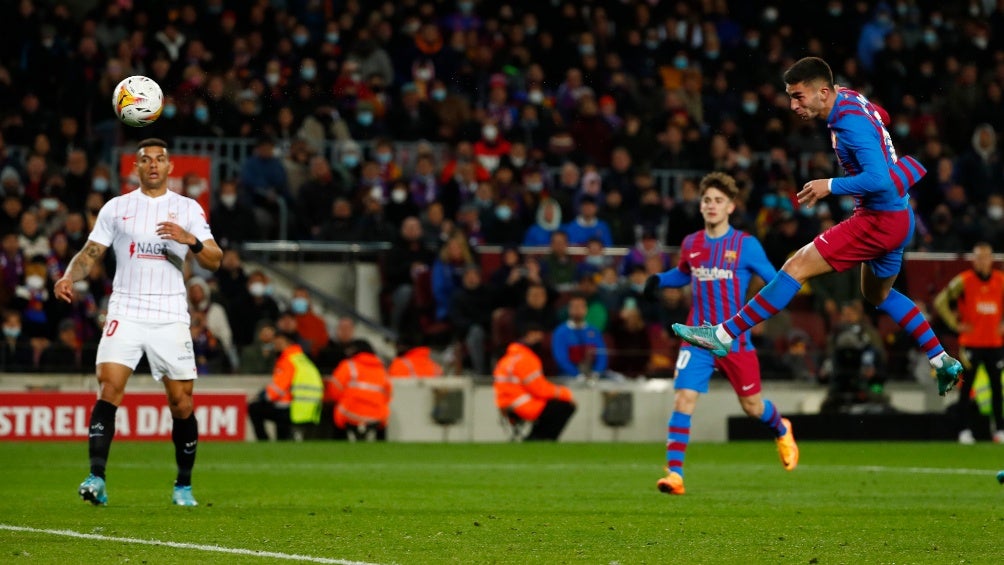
(151, 230)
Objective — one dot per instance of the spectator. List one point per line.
(586, 225)
(309, 326)
(854, 361)
(65, 355)
(548, 221)
(258, 305)
(17, 354)
(231, 281)
(413, 119)
(233, 221)
(618, 218)
(361, 391)
(647, 246)
(12, 264)
(294, 395)
(596, 259)
(264, 182)
(315, 197)
(447, 271)
(341, 346)
(209, 355)
(399, 205)
(557, 267)
(200, 301)
(403, 262)
(341, 224)
(980, 170)
(631, 343)
(33, 243)
(470, 313)
(597, 311)
(509, 282)
(577, 347)
(413, 362)
(259, 357)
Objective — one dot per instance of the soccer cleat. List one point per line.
(998, 436)
(787, 448)
(672, 483)
(966, 437)
(93, 490)
(703, 337)
(183, 496)
(1000, 477)
(949, 374)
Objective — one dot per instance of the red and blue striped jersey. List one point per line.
(876, 177)
(719, 271)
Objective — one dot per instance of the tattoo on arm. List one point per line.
(82, 262)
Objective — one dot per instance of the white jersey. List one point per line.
(149, 283)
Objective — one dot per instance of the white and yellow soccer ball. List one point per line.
(138, 101)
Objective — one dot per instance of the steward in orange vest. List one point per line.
(521, 390)
(978, 294)
(293, 396)
(360, 387)
(415, 362)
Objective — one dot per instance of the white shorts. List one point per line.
(168, 347)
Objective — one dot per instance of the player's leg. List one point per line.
(552, 420)
(995, 364)
(805, 264)
(877, 278)
(693, 371)
(168, 347)
(965, 404)
(742, 368)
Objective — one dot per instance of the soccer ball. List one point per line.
(138, 101)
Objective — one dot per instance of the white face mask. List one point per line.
(34, 282)
(399, 196)
(228, 200)
(490, 133)
(195, 190)
(995, 212)
(257, 289)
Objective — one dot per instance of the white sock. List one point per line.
(722, 335)
(938, 361)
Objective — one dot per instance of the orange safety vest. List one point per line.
(280, 390)
(520, 385)
(415, 363)
(362, 390)
(980, 305)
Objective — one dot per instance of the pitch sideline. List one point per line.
(179, 545)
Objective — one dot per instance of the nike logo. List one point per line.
(96, 435)
(695, 254)
(124, 218)
(188, 451)
(823, 238)
(747, 387)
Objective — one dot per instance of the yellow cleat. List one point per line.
(672, 483)
(787, 448)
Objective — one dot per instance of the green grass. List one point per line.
(525, 503)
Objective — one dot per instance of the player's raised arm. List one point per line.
(78, 269)
(207, 252)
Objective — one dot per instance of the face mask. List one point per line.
(299, 305)
(272, 79)
(902, 129)
(835, 11)
(81, 287)
(680, 62)
(930, 38)
(399, 196)
(34, 282)
(439, 94)
(300, 40)
(596, 260)
(195, 190)
(12, 333)
(974, 10)
(770, 14)
(652, 44)
(490, 133)
(364, 118)
(753, 42)
(49, 204)
(995, 212)
(350, 160)
(535, 186)
(170, 111)
(201, 114)
(331, 37)
(466, 7)
(383, 158)
(769, 200)
(100, 184)
(639, 288)
(535, 96)
(587, 49)
(980, 42)
(228, 200)
(503, 213)
(750, 107)
(937, 21)
(423, 74)
(308, 73)
(517, 161)
(257, 289)
(743, 162)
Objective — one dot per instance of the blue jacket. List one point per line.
(579, 234)
(445, 281)
(537, 235)
(569, 345)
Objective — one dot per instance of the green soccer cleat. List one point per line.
(93, 490)
(183, 496)
(949, 375)
(703, 337)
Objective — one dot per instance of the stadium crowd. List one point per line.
(555, 118)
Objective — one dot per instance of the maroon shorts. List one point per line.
(868, 236)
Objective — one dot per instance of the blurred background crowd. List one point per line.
(521, 121)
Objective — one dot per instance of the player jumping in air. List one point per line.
(151, 230)
(875, 234)
(718, 262)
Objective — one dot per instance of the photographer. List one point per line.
(854, 360)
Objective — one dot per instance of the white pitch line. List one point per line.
(193, 546)
(915, 470)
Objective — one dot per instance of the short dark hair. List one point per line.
(721, 181)
(291, 337)
(809, 69)
(151, 142)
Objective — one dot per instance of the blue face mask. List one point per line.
(439, 95)
(100, 184)
(466, 7)
(299, 305)
(331, 37)
(902, 129)
(711, 54)
(681, 62)
(308, 73)
(364, 118)
(170, 111)
(503, 213)
(587, 49)
(201, 114)
(350, 160)
(300, 40)
(750, 107)
(770, 200)
(383, 158)
(12, 333)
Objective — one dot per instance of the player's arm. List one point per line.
(943, 302)
(864, 139)
(210, 256)
(78, 269)
(757, 259)
(676, 277)
(206, 251)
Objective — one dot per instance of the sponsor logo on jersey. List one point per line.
(712, 274)
(146, 250)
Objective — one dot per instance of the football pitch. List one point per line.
(508, 503)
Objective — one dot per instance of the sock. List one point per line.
(185, 435)
(908, 316)
(768, 302)
(677, 438)
(100, 434)
(772, 418)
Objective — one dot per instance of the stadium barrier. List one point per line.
(606, 411)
